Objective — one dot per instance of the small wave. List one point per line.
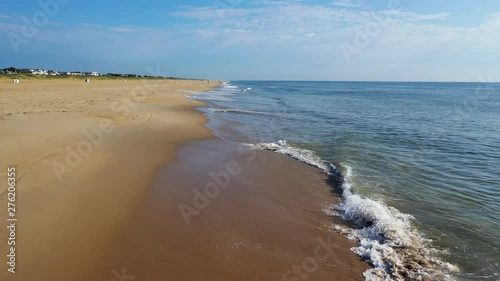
(386, 237)
(227, 85)
(237, 111)
(303, 155)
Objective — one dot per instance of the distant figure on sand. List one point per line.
(87, 80)
(15, 81)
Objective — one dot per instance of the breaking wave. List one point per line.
(227, 86)
(386, 237)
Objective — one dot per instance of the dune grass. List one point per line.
(53, 77)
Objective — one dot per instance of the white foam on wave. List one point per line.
(227, 85)
(386, 237)
(225, 110)
(303, 155)
(224, 92)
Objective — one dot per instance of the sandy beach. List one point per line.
(103, 167)
(69, 205)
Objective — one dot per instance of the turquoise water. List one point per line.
(429, 150)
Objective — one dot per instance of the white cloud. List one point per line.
(304, 36)
(347, 4)
(129, 29)
(289, 23)
(214, 12)
(315, 32)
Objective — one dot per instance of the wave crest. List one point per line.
(386, 238)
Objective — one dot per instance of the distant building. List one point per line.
(53, 72)
(75, 73)
(40, 72)
(93, 73)
(33, 71)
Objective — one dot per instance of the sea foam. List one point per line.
(227, 86)
(229, 110)
(386, 237)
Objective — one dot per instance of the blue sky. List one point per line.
(389, 40)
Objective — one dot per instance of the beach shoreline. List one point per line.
(229, 212)
(85, 153)
(118, 209)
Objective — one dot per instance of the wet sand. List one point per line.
(115, 214)
(263, 222)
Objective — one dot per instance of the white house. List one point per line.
(93, 73)
(40, 72)
(33, 71)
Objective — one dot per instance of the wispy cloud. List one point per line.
(408, 16)
(9, 17)
(203, 13)
(314, 32)
(292, 36)
(129, 29)
(289, 22)
(347, 4)
(275, 2)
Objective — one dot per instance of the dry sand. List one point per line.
(66, 222)
(112, 213)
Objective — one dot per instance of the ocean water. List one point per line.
(418, 165)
